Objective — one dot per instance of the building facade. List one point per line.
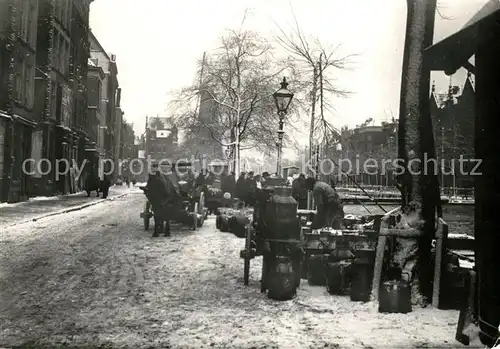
(453, 124)
(61, 95)
(161, 138)
(107, 146)
(18, 119)
(365, 142)
(95, 115)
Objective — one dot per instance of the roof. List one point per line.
(93, 37)
(455, 51)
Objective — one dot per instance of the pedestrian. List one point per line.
(200, 180)
(92, 183)
(231, 183)
(157, 192)
(299, 191)
(105, 184)
(330, 211)
(240, 189)
(251, 189)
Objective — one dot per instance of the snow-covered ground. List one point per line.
(96, 277)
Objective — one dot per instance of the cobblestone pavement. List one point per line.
(36, 207)
(95, 277)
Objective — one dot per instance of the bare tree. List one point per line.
(240, 78)
(316, 62)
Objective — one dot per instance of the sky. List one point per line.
(158, 43)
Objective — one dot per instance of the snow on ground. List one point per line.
(96, 277)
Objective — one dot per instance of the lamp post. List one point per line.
(282, 98)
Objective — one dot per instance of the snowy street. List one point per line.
(95, 277)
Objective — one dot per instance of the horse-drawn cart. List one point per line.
(189, 211)
(186, 205)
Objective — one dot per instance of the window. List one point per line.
(61, 53)
(32, 23)
(53, 99)
(55, 48)
(29, 83)
(19, 80)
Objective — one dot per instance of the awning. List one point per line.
(453, 52)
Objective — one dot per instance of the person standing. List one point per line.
(240, 191)
(330, 211)
(299, 191)
(105, 184)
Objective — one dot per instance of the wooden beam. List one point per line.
(401, 233)
(441, 236)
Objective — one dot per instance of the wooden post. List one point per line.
(441, 237)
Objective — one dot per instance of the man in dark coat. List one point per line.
(299, 191)
(200, 180)
(330, 211)
(251, 189)
(92, 183)
(159, 193)
(105, 184)
(240, 190)
(230, 184)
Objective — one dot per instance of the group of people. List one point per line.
(329, 206)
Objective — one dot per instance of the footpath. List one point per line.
(41, 207)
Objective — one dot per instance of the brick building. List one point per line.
(18, 119)
(108, 128)
(61, 95)
(370, 142)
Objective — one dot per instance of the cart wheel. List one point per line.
(248, 246)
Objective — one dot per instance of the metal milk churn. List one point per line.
(281, 216)
(338, 277)
(282, 279)
(362, 275)
(395, 297)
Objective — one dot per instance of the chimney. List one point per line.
(118, 96)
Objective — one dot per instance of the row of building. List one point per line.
(59, 98)
(452, 113)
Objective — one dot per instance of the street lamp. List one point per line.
(282, 98)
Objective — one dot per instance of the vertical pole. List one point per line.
(280, 143)
(442, 159)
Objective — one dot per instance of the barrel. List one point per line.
(362, 275)
(237, 225)
(338, 277)
(455, 290)
(224, 223)
(281, 281)
(316, 273)
(395, 297)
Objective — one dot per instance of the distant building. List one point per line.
(369, 142)
(453, 124)
(109, 127)
(161, 138)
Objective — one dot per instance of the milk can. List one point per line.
(395, 297)
(362, 275)
(281, 281)
(316, 274)
(338, 277)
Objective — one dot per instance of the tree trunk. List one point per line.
(416, 143)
